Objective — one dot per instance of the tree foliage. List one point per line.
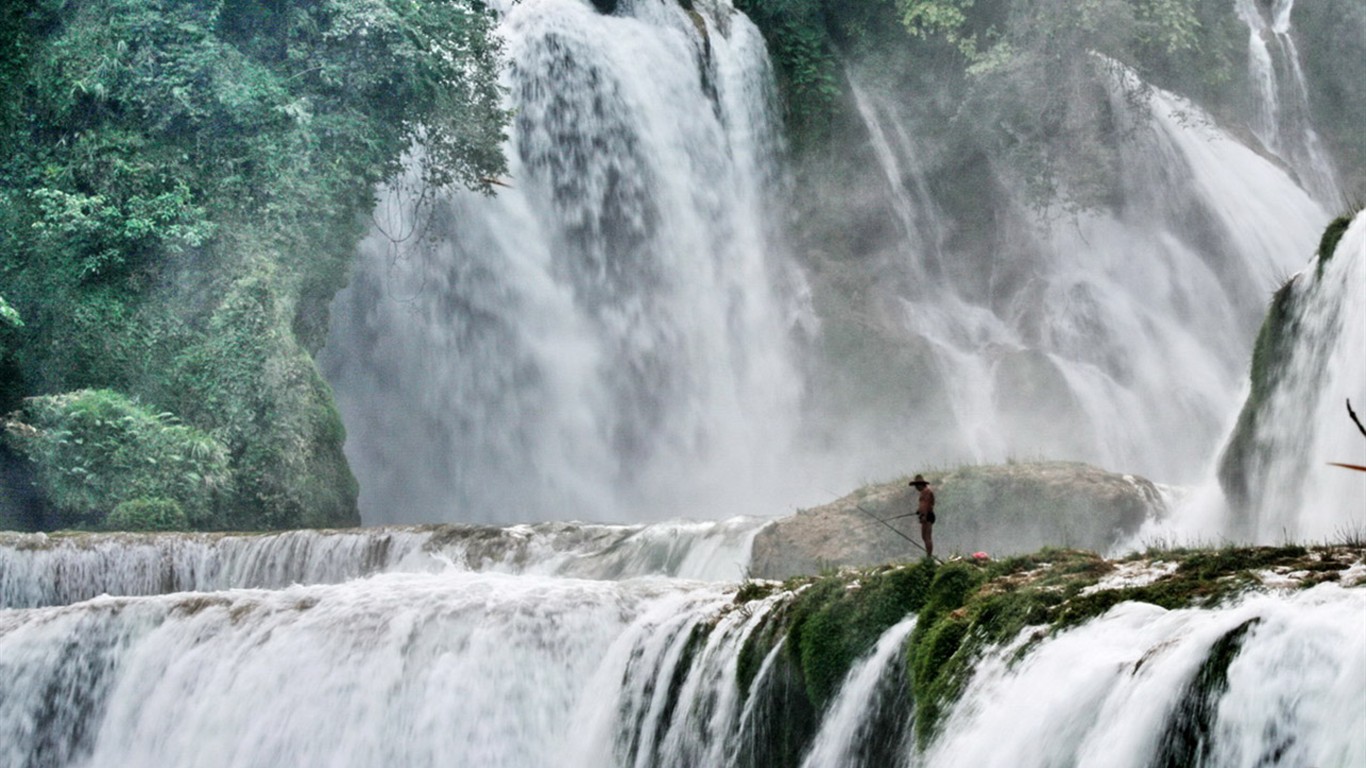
(1029, 83)
(147, 515)
(168, 158)
(95, 449)
(806, 40)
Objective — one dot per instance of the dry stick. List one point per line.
(1357, 421)
(1353, 414)
(893, 529)
(1357, 467)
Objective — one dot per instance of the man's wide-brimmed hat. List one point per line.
(919, 480)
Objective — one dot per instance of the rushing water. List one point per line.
(38, 570)
(610, 337)
(1118, 336)
(1296, 494)
(618, 334)
(489, 669)
(1121, 691)
(1283, 123)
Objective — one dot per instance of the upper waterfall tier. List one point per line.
(39, 570)
(611, 336)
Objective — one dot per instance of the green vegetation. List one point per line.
(1239, 464)
(183, 189)
(1026, 81)
(147, 515)
(965, 608)
(834, 623)
(96, 450)
(806, 39)
(1328, 244)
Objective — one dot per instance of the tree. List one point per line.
(172, 162)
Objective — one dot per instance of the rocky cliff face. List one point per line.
(1000, 509)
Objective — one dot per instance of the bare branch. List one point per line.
(1353, 414)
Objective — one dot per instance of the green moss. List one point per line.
(754, 590)
(782, 721)
(964, 610)
(1328, 244)
(1185, 741)
(835, 623)
(1202, 578)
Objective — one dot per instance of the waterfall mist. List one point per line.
(612, 336)
(651, 320)
(1116, 335)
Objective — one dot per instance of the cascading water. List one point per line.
(38, 570)
(857, 718)
(1305, 424)
(1112, 336)
(1283, 123)
(614, 337)
(1127, 690)
(610, 338)
(523, 670)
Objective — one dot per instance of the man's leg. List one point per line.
(926, 533)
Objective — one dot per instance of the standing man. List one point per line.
(925, 511)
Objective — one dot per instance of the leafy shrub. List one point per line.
(94, 449)
(147, 515)
(184, 186)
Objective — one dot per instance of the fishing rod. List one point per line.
(895, 530)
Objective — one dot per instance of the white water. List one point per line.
(1115, 337)
(1306, 424)
(1103, 694)
(484, 669)
(616, 336)
(1283, 123)
(38, 570)
(400, 670)
(490, 378)
(610, 338)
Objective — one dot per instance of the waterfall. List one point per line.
(492, 669)
(611, 336)
(915, 208)
(1282, 120)
(1305, 425)
(400, 670)
(1118, 690)
(857, 717)
(1117, 335)
(40, 570)
(621, 333)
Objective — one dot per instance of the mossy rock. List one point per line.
(1270, 353)
(1246, 456)
(1001, 509)
(966, 608)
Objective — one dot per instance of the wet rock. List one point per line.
(1000, 509)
